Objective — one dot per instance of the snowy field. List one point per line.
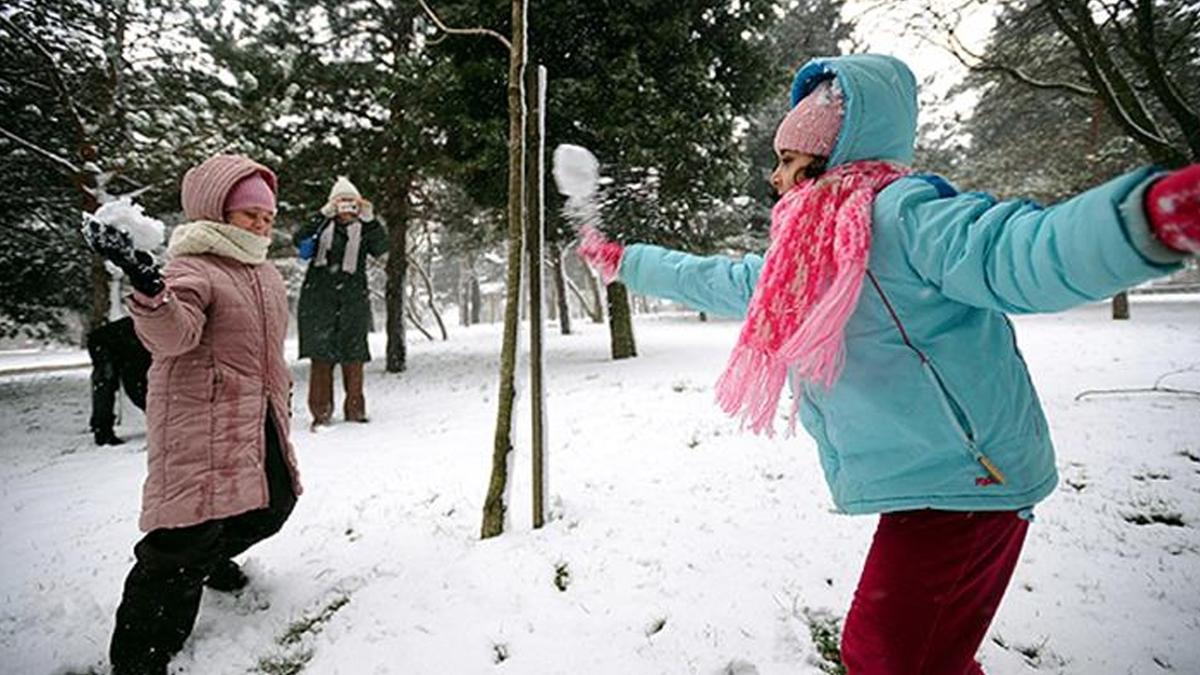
(676, 544)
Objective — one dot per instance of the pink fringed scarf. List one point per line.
(808, 288)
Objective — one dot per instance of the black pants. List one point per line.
(118, 361)
(162, 591)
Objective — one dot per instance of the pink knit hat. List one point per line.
(206, 187)
(251, 192)
(812, 126)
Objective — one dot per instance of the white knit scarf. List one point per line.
(353, 241)
(204, 236)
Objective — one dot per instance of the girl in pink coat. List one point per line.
(222, 475)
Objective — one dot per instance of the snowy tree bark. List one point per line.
(430, 299)
(462, 294)
(1075, 19)
(560, 288)
(495, 507)
(1120, 306)
(597, 302)
(620, 322)
(535, 245)
(396, 215)
(594, 310)
(476, 300)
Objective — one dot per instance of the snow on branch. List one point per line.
(975, 61)
(61, 161)
(54, 70)
(1115, 89)
(1156, 388)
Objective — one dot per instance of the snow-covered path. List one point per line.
(683, 546)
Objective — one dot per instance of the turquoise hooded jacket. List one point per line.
(935, 408)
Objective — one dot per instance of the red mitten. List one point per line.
(1173, 207)
(603, 255)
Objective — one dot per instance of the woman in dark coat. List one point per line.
(335, 304)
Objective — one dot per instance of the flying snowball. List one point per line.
(576, 171)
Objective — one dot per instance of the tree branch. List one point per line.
(980, 63)
(62, 162)
(1183, 114)
(55, 72)
(1114, 89)
(463, 31)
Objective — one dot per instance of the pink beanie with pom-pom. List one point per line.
(812, 126)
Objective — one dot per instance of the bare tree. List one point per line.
(495, 507)
(1135, 59)
(1141, 49)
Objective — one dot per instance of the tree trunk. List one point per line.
(1074, 19)
(620, 322)
(560, 288)
(495, 507)
(594, 287)
(410, 312)
(464, 295)
(432, 305)
(1120, 306)
(395, 207)
(535, 249)
(595, 312)
(85, 182)
(476, 299)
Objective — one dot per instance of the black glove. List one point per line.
(117, 247)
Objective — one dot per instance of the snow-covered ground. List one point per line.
(681, 545)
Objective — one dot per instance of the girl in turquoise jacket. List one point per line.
(882, 300)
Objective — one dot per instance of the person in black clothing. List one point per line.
(162, 592)
(119, 361)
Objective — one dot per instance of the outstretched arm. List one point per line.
(716, 284)
(1017, 257)
(172, 322)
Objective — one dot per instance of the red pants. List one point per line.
(929, 589)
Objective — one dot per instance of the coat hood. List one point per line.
(880, 105)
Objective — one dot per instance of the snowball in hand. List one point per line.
(576, 171)
(123, 214)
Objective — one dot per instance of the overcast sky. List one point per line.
(881, 26)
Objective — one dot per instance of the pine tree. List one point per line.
(99, 98)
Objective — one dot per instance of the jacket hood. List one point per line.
(880, 105)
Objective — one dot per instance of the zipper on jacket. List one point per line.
(954, 412)
(217, 379)
(266, 372)
(958, 416)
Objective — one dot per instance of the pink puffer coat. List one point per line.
(217, 338)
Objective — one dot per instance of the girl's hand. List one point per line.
(1173, 208)
(603, 255)
(116, 246)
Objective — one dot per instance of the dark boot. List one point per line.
(320, 392)
(105, 384)
(226, 576)
(161, 599)
(355, 408)
(107, 437)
